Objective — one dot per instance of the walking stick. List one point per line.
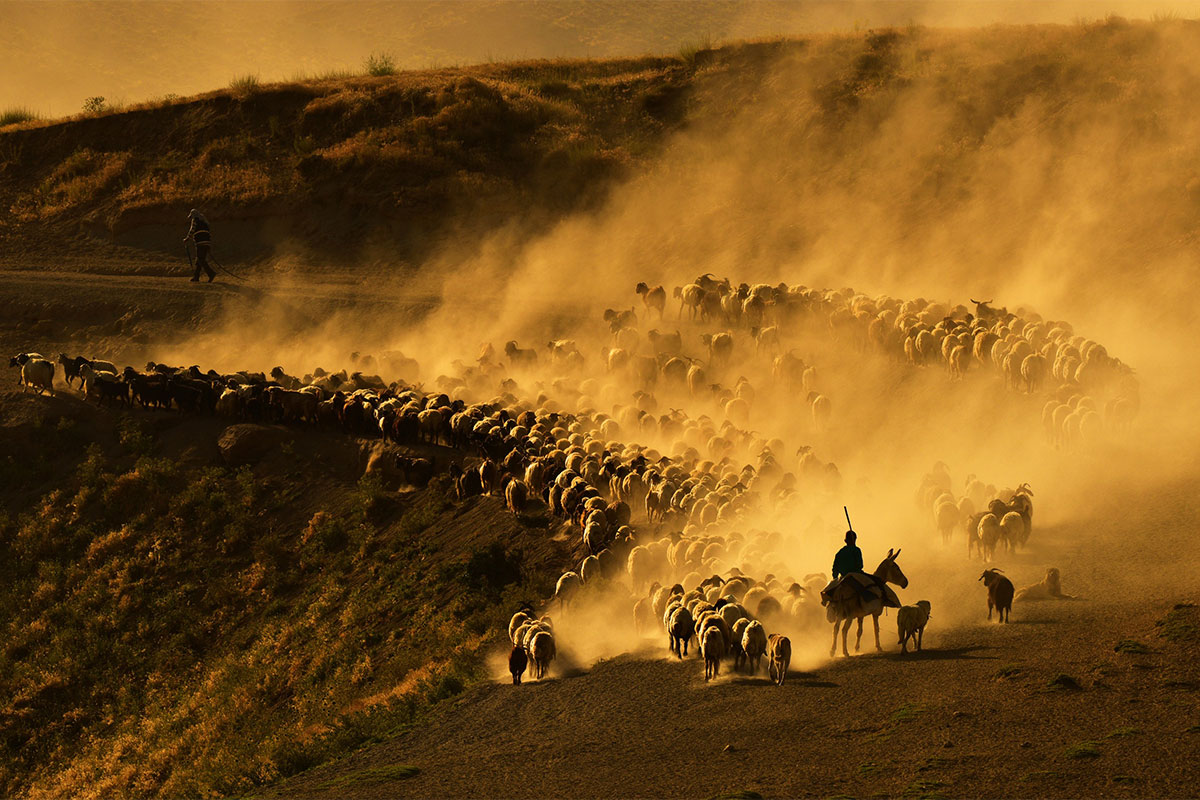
(187, 248)
(851, 527)
(222, 268)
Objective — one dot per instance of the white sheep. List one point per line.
(911, 622)
(754, 644)
(712, 647)
(38, 373)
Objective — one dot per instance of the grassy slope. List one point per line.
(338, 161)
(399, 165)
(274, 616)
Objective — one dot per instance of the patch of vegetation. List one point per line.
(17, 114)
(1008, 671)
(925, 790)
(1063, 682)
(244, 85)
(1180, 624)
(907, 713)
(743, 794)
(1042, 775)
(1124, 779)
(379, 64)
(1194, 729)
(869, 768)
(392, 772)
(1131, 647)
(1084, 750)
(1122, 733)
(95, 105)
(694, 51)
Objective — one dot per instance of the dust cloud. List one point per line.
(1047, 170)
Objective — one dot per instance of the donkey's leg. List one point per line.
(833, 647)
(858, 639)
(875, 619)
(845, 635)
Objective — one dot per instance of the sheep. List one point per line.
(417, 472)
(36, 372)
(1049, 588)
(1012, 530)
(911, 622)
(517, 661)
(989, 535)
(543, 651)
(680, 628)
(294, 406)
(653, 298)
(720, 347)
(1000, 593)
(712, 647)
(519, 357)
(779, 656)
(567, 586)
(754, 644)
(519, 619)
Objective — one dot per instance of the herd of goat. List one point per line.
(686, 508)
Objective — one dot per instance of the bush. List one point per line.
(12, 116)
(95, 105)
(380, 64)
(244, 85)
(493, 568)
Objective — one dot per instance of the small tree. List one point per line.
(94, 105)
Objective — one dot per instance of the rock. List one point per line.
(246, 444)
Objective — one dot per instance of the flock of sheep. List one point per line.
(680, 505)
(1005, 521)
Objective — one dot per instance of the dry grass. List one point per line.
(165, 642)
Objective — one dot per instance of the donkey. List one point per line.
(848, 603)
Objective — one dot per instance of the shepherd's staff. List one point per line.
(851, 527)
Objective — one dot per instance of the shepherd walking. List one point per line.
(201, 234)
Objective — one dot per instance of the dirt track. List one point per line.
(941, 723)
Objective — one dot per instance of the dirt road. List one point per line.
(978, 713)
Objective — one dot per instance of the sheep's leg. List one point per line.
(920, 636)
(875, 619)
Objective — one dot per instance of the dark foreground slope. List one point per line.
(176, 625)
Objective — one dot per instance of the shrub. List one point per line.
(12, 116)
(380, 64)
(244, 85)
(95, 105)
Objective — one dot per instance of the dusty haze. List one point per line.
(1080, 209)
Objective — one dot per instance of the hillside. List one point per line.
(370, 162)
(974, 249)
(220, 625)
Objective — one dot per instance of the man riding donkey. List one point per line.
(854, 594)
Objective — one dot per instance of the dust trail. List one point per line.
(1053, 175)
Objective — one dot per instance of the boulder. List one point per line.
(246, 444)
